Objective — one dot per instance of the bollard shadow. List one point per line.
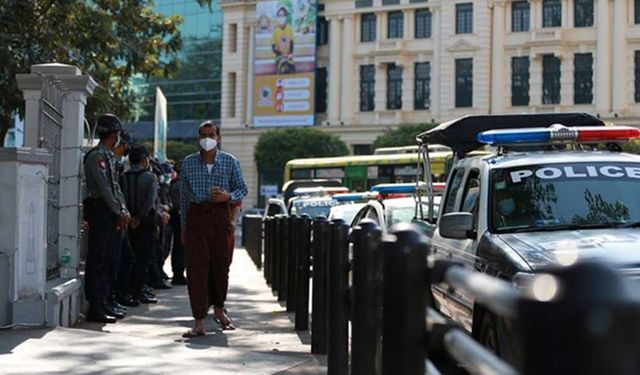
(10, 339)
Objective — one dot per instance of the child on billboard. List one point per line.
(282, 43)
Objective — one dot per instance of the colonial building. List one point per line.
(381, 63)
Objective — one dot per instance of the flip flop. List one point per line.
(225, 326)
(192, 333)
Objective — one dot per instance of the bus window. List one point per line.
(301, 174)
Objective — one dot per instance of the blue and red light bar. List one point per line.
(355, 197)
(558, 134)
(402, 188)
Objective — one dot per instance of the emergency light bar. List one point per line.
(404, 188)
(558, 134)
(354, 197)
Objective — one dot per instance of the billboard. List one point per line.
(285, 62)
(160, 126)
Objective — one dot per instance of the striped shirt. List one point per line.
(196, 180)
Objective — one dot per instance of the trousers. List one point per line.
(142, 243)
(104, 242)
(177, 252)
(209, 254)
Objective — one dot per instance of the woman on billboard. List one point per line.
(282, 43)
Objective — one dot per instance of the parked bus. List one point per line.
(358, 173)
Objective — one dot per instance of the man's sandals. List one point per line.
(225, 323)
(192, 333)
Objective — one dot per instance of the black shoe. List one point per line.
(163, 285)
(143, 298)
(126, 300)
(179, 281)
(100, 317)
(118, 306)
(149, 294)
(109, 310)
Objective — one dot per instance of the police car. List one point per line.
(348, 205)
(311, 206)
(548, 195)
(395, 204)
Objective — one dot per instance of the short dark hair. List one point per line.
(209, 123)
(286, 12)
(137, 153)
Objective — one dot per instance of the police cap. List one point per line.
(137, 153)
(108, 124)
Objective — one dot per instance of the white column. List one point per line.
(567, 69)
(603, 59)
(409, 23)
(435, 63)
(379, 29)
(535, 12)
(620, 62)
(535, 80)
(497, 59)
(348, 90)
(381, 87)
(335, 53)
(250, 78)
(408, 86)
(567, 11)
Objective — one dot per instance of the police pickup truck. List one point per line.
(555, 189)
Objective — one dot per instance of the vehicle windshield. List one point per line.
(313, 207)
(565, 196)
(346, 212)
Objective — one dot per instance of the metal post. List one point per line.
(366, 319)
(319, 295)
(292, 262)
(302, 276)
(284, 254)
(275, 255)
(268, 243)
(404, 302)
(590, 326)
(338, 326)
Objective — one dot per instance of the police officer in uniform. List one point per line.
(107, 217)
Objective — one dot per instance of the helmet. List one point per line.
(108, 124)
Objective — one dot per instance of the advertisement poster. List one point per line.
(285, 59)
(160, 126)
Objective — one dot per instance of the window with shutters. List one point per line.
(394, 87)
(464, 18)
(395, 25)
(520, 81)
(367, 88)
(422, 85)
(464, 83)
(550, 80)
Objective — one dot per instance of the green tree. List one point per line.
(404, 135)
(276, 147)
(176, 150)
(632, 147)
(112, 40)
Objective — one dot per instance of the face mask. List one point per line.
(118, 141)
(282, 20)
(507, 206)
(208, 144)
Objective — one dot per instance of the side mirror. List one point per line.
(456, 225)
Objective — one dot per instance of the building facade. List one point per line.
(381, 63)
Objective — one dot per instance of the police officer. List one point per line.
(107, 217)
(140, 190)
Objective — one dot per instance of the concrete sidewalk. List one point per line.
(148, 340)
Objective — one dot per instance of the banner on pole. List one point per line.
(285, 62)
(160, 127)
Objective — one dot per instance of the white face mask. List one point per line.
(208, 144)
(282, 20)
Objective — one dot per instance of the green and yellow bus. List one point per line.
(359, 173)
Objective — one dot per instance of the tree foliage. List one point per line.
(112, 40)
(176, 150)
(276, 147)
(404, 135)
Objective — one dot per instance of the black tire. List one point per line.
(489, 334)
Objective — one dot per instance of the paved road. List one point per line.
(149, 340)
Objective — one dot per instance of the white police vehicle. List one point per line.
(545, 197)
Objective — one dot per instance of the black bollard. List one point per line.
(292, 260)
(405, 269)
(268, 243)
(283, 257)
(319, 295)
(275, 255)
(338, 300)
(302, 275)
(589, 326)
(366, 340)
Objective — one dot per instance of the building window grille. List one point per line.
(464, 18)
(583, 78)
(422, 85)
(464, 83)
(322, 31)
(368, 27)
(394, 87)
(321, 90)
(520, 16)
(367, 88)
(551, 13)
(520, 81)
(550, 79)
(423, 24)
(583, 13)
(396, 25)
(637, 76)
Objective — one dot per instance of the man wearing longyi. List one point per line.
(211, 185)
